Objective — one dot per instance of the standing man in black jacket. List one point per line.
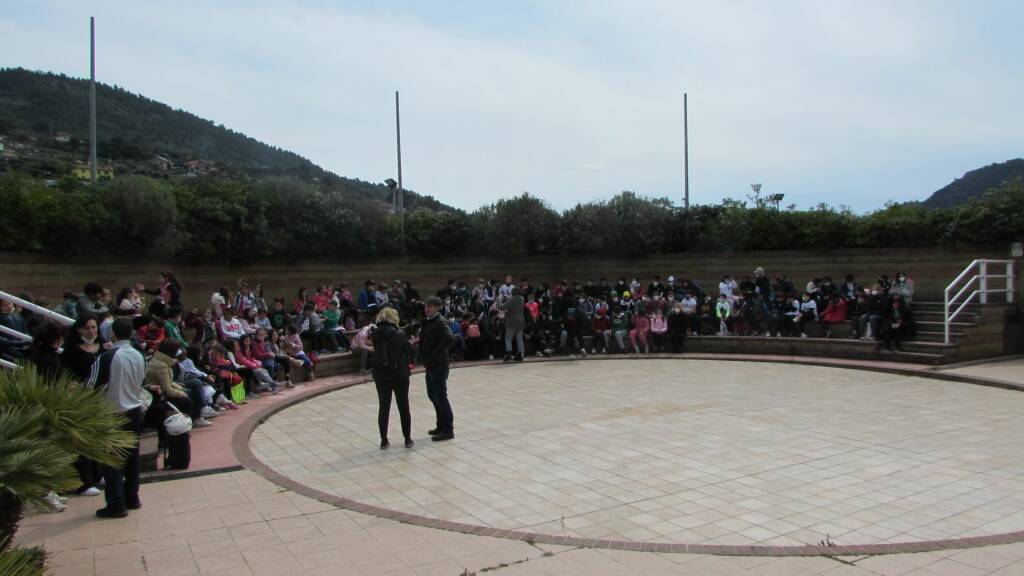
(435, 341)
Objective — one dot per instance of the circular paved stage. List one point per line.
(678, 451)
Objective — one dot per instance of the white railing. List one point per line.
(980, 276)
(50, 314)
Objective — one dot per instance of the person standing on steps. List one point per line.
(436, 340)
(391, 357)
(120, 373)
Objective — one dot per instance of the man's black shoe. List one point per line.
(442, 436)
(433, 432)
(409, 443)
(109, 512)
(384, 444)
(135, 505)
(519, 358)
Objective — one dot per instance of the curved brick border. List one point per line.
(242, 434)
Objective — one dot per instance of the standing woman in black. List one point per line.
(391, 355)
(81, 348)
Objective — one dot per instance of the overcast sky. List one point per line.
(849, 103)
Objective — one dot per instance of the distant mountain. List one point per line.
(975, 183)
(44, 125)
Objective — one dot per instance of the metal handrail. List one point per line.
(15, 334)
(37, 309)
(981, 278)
(971, 283)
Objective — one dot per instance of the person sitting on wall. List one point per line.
(835, 313)
(876, 309)
(899, 326)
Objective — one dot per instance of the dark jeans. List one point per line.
(270, 365)
(122, 484)
(194, 386)
(437, 392)
(400, 388)
(89, 472)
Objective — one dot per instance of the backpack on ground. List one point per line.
(179, 451)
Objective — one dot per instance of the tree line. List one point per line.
(210, 220)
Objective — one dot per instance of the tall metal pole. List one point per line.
(92, 100)
(686, 158)
(401, 194)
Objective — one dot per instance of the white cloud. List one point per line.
(826, 101)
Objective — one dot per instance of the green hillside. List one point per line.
(44, 125)
(975, 183)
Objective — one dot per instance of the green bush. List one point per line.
(214, 219)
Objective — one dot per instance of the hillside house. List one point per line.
(198, 167)
(160, 163)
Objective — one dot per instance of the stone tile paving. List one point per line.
(692, 451)
(1006, 370)
(240, 524)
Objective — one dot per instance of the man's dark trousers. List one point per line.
(122, 484)
(437, 392)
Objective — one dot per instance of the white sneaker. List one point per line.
(53, 501)
(803, 335)
(201, 423)
(91, 491)
(209, 412)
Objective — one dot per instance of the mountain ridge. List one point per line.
(44, 121)
(975, 183)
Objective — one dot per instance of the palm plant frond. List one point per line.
(30, 462)
(78, 419)
(45, 424)
(22, 562)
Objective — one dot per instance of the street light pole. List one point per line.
(401, 195)
(686, 158)
(92, 100)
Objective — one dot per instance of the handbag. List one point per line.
(238, 393)
(177, 423)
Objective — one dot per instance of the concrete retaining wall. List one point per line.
(931, 268)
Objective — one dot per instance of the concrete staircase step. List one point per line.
(938, 336)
